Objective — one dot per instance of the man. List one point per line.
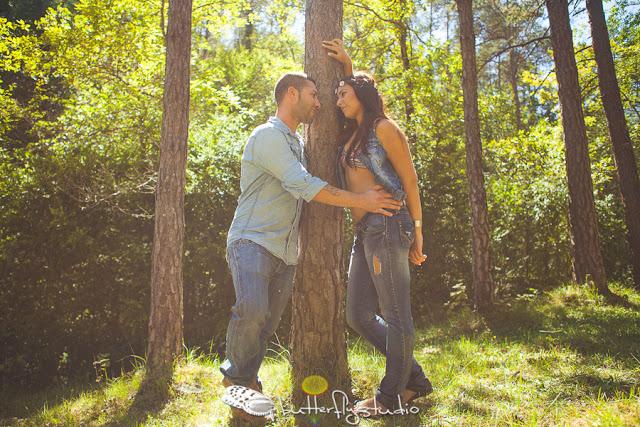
(262, 244)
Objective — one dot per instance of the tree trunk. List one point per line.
(318, 339)
(513, 80)
(618, 132)
(499, 68)
(587, 257)
(402, 28)
(248, 32)
(406, 68)
(483, 286)
(166, 319)
(430, 18)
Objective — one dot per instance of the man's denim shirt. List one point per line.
(376, 160)
(273, 183)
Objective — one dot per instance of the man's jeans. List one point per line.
(379, 276)
(263, 285)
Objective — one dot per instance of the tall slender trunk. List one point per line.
(513, 80)
(618, 131)
(430, 18)
(499, 68)
(406, 68)
(587, 256)
(318, 340)
(483, 286)
(248, 31)
(166, 317)
(447, 25)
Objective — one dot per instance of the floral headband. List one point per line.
(356, 83)
(361, 81)
(342, 82)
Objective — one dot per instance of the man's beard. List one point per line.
(307, 120)
(306, 117)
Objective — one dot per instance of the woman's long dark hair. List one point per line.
(365, 89)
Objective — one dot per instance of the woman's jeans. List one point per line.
(263, 285)
(379, 276)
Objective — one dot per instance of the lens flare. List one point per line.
(314, 385)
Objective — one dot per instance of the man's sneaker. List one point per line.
(256, 385)
(250, 401)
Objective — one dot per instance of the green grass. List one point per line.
(567, 357)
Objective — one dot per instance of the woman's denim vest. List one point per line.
(375, 159)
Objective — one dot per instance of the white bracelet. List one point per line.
(417, 222)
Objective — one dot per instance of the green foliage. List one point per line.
(528, 203)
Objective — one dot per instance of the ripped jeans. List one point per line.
(379, 277)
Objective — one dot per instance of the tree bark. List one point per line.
(166, 317)
(483, 286)
(618, 131)
(403, 37)
(406, 68)
(248, 32)
(587, 256)
(513, 80)
(318, 340)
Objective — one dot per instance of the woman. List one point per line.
(374, 151)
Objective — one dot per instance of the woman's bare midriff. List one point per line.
(359, 180)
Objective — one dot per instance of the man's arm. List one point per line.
(271, 152)
(375, 200)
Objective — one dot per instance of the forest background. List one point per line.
(80, 114)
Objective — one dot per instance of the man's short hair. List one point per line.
(296, 80)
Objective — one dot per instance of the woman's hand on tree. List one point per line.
(337, 51)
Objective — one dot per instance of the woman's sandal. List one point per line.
(379, 410)
(418, 394)
(423, 391)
